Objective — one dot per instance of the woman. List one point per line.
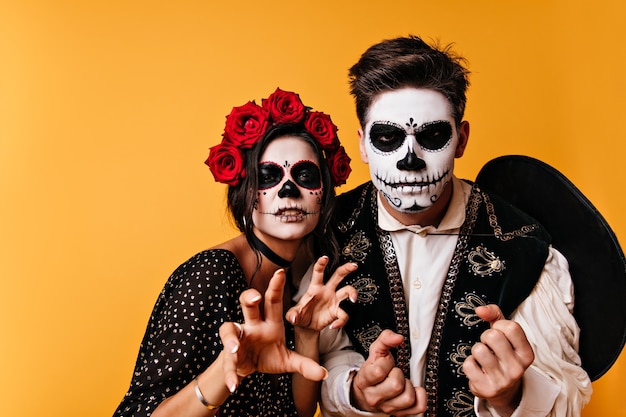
(281, 161)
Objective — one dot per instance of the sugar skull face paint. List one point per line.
(410, 142)
(290, 189)
(306, 174)
(433, 136)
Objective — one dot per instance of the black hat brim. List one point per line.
(579, 232)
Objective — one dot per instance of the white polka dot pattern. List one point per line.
(182, 340)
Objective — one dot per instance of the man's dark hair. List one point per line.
(409, 62)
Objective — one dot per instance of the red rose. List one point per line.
(339, 163)
(245, 125)
(284, 107)
(226, 163)
(323, 129)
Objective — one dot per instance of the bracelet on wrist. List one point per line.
(201, 397)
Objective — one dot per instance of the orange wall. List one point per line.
(108, 108)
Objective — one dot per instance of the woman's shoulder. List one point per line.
(211, 264)
(214, 256)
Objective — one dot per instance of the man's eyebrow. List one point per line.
(434, 123)
(414, 127)
(387, 123)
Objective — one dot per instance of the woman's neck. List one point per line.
(258, 274)
(269, 253)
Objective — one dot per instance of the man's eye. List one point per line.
(434, 136)
(386, 138)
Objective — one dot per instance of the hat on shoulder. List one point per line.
(579, 232)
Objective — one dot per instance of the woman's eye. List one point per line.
(304, 176)
(270, 175)
(307, 174)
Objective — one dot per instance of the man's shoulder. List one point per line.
(353, 194)
(352, 200)
(510, 215)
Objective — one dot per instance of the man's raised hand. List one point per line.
(379, 386)
(498, 362)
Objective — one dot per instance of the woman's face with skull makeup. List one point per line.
(410, 143)
(290, 189)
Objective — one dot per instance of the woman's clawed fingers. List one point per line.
(319, 307)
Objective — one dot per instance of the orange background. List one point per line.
(108, 108)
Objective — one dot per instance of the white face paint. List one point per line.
(410, 143)
(290, 189)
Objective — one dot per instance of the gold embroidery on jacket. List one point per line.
(366, 288)
(463, 350)
(484, 262)
(462, 404)
(357, 247)
(466, 310)
(368, 336)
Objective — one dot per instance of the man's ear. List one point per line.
(362, 146)
(463, 133)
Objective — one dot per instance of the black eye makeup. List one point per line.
(431, 136)
(270, 174)
(304, 173)
(307, 174)
(387, 137)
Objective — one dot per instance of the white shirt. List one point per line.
(554, 385)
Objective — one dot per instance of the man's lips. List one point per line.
(413, 184)
(408, 184)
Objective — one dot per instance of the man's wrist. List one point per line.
(506, 405)
(354, 399)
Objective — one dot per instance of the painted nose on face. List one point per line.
(289, 189)
(411, 162)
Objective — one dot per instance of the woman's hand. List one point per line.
(319, 307)
(259, 343)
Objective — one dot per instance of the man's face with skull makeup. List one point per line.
(410, 143)
(290, 189)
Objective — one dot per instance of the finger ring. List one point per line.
(240, 327)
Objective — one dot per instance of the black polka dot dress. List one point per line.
(182, 340)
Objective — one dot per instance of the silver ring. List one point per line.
(240, 327)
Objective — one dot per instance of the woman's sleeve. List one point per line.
(181, 339)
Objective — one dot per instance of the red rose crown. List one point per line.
(246, 125)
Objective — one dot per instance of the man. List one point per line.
(464, 307)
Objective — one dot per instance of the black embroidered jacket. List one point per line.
(498, 258)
